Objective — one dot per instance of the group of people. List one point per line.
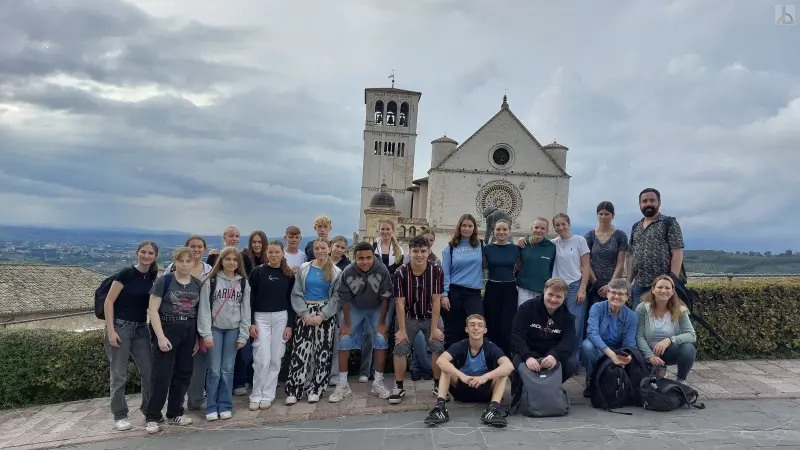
(206, 319)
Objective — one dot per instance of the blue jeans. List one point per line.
(683, 356)
(242, 371)
(363, 322)
(420, 357)
(221, 359)
(636, 295)
(590, 355)
(579, 312)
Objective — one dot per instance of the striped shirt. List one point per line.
(418, 290)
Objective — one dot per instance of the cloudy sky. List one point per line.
(189, 115)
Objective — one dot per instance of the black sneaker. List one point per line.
(416, 376)
(396, 396)
(437, 415)
(494, 417)
(587, 393)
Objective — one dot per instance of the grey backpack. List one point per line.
(539, 394)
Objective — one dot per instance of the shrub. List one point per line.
(758, 319)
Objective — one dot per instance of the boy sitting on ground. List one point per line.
(474, 370)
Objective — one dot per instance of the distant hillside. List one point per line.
(713, 262)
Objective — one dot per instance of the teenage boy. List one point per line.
(364, 293)
(322, 225)
(294, 257)
(418, 289)
(474, 370)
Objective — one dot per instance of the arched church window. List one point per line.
(379, 111)
(377, 147)
(401, 149)
(402, 119)
(402, 231)
(412, 231)
(385, 148)
(391, 112)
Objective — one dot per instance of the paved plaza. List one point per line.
(750, 404)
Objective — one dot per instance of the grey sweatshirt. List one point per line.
(235, 313)
(365, 290)
(299, 293)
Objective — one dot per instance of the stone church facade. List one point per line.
(502, 164)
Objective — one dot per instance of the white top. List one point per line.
(568, 258)
(296, 259)
(662, 328)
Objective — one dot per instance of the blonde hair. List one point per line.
(328, 269)
(398, 252)
(556, 284)
(181, 251)
(224, 254)
(674, 303)
(322, 221)
(561, 216)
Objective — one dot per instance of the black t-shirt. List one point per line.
(475, 365)
(134, 298)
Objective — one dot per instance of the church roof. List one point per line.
(420, 180)
(503, 109)
(444, 139)
(555, 144)
(382, 199)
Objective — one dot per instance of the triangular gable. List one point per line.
(519, 122)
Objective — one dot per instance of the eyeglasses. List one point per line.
(617, 294)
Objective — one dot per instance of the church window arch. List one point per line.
(401, 149)
(378, 112)
(377, 149)
(502, 195)
(402, 119)
(412, 231)
(391, 113)
(402, 231)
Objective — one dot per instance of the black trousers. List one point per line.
(499, 308)
(463, 302)
(172, 370)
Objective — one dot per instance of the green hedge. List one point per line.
(758, 319)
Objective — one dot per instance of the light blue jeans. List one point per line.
(363, 322)
(579, 312)
(221, 359)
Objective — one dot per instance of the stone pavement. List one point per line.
(90, 421)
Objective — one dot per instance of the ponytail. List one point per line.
(286, 269)
(153, 270)
(398, 252)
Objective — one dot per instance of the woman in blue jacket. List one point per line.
(611, 329)
(462, 261)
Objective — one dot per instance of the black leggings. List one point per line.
(499, 307)
(463, 302)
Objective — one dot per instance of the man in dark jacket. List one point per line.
(543, 333)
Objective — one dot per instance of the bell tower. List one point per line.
(390, 136)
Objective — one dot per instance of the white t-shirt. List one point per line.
(296, 259)
(568, 258)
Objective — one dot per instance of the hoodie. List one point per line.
(299, 305)
(538, 334)
(234, 313)
(365, 290)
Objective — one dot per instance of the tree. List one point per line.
(788, 253)
(767, 253)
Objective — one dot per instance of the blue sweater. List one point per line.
(466, 267)
(600, 332)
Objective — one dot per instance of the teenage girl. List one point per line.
(462, 261)
(223, 320)
(315, 299)
(256, 252)
(500, 295)
(126, 332)
(272, 322)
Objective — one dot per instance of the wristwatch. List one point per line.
(672, 340)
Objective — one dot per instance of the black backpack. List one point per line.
(611, 387)
(661, 394)
(637, 370)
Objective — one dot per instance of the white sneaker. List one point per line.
(212, 417)
(153, 427)
(341, 391)
(363, 379)
(123, 425)
(254, 406)
(240, 391)
(334, 381)
(181, 421)
(314, 398)
(264, 404)
(380, 390)
(290, 400)
(224, 415)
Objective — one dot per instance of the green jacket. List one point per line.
(537, 265)
(684, 331)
